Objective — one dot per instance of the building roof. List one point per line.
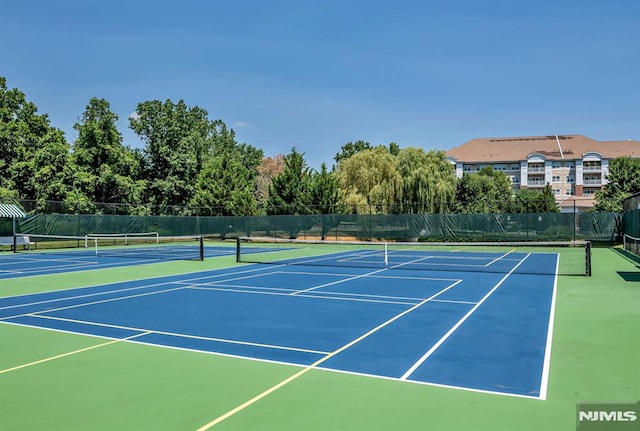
(11, 211)
(552, 147)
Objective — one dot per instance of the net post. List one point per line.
(201, 240)
(386, 254)
(238, 250)
(588, 259)
(15, 243)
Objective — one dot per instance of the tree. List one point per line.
(351, 148)
(532, 201)
(325, 198)
(488, 191)
(177, 139)
(107, 171)
(227, 183)
(225, 188)
(27, 144)
(269, 168)
(428, 181)
(325, 191)
(290, 191)
(370, 181)
(623, 181)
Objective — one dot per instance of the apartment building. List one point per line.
(575, 166)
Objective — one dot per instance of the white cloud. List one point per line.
(241, 125)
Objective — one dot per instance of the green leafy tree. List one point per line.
(227, 183)
(107, 171)
(178, 139)
(623, 181)
(223, 188)
(428, 181)
(370, 181)
(394, 149)
(290, 191)
(533, 201)
(488, 191)
(27, 144)
(351, 148)
(325, 198)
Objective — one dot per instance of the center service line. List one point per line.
(460, 322)
(319, 361)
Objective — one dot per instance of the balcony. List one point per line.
(592, 182)
(592, 168)
(536, 182)
(536, 169)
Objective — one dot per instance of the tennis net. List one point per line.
(631, 244)
(112, 245)
(562, 258)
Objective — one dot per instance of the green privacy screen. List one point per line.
(456, 227)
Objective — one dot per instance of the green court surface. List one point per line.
(61, 381)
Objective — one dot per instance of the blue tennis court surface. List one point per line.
(470, 330)
(82, 259)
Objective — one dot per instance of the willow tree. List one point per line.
(428, 181)
(370, 181)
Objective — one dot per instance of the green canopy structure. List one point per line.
(13, 212)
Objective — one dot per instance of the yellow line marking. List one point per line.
(318, 362)
(71, 353)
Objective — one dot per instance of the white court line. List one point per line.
(93, 303)
(92, 267)
(460, 322)
(393, 277)
(175, 334)
(88, 295)
(418, 382)
(544, 379)
(501, 257)
(302, 295)
(223, 286)
(355, 277)
(208, 271)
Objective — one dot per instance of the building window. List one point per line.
(555, 164)
(556, 191)
(515, 179)
(569, 164)
(515, 167)
(555, 179)
(570, 178)
(588, 192)
(568, 192)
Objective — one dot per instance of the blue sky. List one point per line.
(317, 74)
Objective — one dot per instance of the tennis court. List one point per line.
(389, 322)
(460, 319)
(53, 254)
